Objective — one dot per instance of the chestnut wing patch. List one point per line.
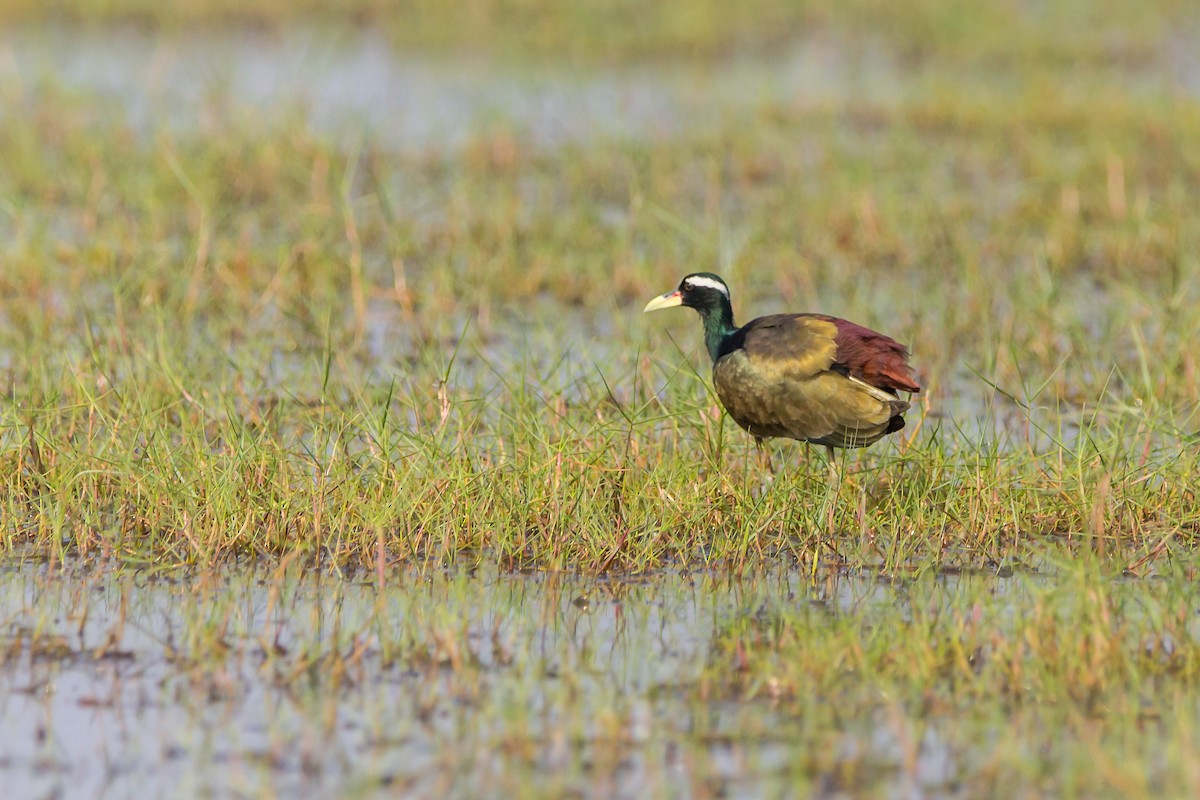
(873, 358)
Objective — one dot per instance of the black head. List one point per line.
(703, 291)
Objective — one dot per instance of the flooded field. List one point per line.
(337, 458)
(260, 684)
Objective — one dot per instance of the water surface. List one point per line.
(245, 682)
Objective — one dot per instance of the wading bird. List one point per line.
(810, 377)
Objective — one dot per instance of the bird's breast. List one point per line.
(762, 403)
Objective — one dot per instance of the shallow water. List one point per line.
(246, 683)
(359, 84)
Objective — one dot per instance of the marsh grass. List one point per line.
(254, 344)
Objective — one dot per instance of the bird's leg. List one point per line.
(764, 455)
(827, 507)
(835, 482)
(834, 472)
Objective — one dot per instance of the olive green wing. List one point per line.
(787, 346)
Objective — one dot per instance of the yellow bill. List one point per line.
(668, 300)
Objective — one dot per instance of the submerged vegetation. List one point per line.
(695, 685)
(398, 370)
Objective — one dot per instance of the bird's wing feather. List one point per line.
(780, 346)
(872, 357)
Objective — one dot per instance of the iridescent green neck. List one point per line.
(718, 324)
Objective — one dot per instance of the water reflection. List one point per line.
(243, 681)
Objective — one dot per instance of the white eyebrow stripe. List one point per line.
(710, 284)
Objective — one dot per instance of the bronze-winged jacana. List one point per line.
(810, 377)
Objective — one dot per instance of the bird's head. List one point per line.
(702, 291)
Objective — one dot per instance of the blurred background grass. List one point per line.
(1014, 34)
